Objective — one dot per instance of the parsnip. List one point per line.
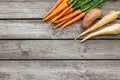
(111, 16)
(111, 30)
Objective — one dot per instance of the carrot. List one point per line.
(111, 16)
(53, 8)
(69, 9)
(60, 15)
(74, 20)
(70, 15)
(111, 30)
(60, 24)
(67, 13)
(61, 7)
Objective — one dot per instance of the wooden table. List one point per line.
(31, 50)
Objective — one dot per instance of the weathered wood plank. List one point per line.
(59, 49)
(59, 70)
(37, 8)
(24, 8)
(35, 29)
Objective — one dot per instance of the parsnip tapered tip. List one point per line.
(82, 40)
(77, 37)
(75, 40)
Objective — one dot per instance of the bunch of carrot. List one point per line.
(66, 12)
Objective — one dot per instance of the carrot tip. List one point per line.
(49, 23)
(44, 17)
(53, 28)
(52, 21)
(63, 27)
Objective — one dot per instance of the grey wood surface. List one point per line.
(59, 49)
(60, 70)
(37, 29)
(31, 50)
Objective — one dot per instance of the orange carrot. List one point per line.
(58, 10)
(67, 13)
(53, 8)
(74, 20)
(70, 16)
(61, 14)
(60, 24)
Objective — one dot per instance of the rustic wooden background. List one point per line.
(31, 50)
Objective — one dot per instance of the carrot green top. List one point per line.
(85, 5)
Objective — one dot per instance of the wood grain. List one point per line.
(36, 29)
(59, 49)
(37, 8)
(59, 70)
(52, 55)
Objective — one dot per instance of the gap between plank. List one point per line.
(60, 39)
(59, 59)
(20, 18)
(31, 18)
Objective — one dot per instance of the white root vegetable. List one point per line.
(111, 30)
(111, 16)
